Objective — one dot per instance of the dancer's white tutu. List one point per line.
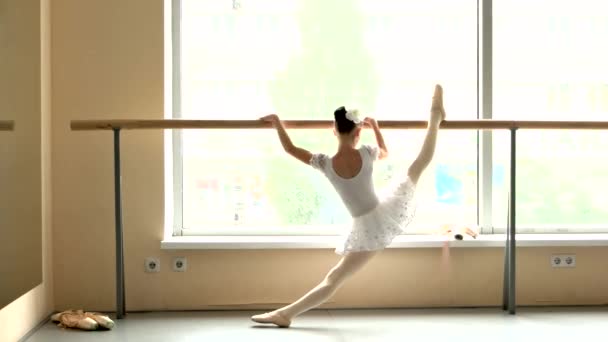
(376, 229)
(372, 229)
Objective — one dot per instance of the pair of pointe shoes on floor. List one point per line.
(78, 319)
(272, 318)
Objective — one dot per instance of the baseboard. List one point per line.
(36, 328)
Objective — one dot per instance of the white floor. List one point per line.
(530, 324)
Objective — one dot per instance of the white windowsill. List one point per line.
(409, 241)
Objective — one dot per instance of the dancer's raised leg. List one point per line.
(428, 147)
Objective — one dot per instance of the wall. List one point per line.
(27, 311)
(20, 260)
(108, 64)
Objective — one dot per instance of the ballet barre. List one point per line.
(509, 263)
(80, 125)
(7, 125)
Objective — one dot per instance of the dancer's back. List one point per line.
(357, 192)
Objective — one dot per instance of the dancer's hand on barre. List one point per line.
(272, 118)
(370, 122)
(373, 124)
(297, 152)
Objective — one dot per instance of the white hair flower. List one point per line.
(353, 115)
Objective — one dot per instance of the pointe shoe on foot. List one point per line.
(437, 110)
(272, 318)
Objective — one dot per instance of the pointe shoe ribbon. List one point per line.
(78, 319)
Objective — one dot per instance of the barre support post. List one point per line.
(511, 227)
(120, 272)
(505, 279)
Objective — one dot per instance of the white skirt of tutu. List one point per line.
(376, 229)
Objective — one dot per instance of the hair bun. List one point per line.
(340, 113)
(344, 124)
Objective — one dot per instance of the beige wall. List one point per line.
(20, 260)
(108, 63)
(28, 310)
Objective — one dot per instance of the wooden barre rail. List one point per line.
(510, 247)
(7, 125)
(79, 125)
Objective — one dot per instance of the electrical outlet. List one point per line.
(563, 260)
(180, 264)
(152, 265)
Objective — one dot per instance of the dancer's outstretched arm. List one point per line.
(297, 152)
(379, 139)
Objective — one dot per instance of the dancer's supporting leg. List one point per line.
(348, 265)
(428, 147)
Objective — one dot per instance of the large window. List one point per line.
(240, 59)
(550, 64)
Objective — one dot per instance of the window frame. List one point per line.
(484, 138)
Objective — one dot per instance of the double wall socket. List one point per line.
(563, 260)
(152, 264)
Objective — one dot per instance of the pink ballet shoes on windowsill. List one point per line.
(78, 319)
(455, 232)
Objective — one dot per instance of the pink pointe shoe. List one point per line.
(274, 317)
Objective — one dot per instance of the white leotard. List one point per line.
(358, 192)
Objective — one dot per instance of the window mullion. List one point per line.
(178, 176)
(484, 42)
